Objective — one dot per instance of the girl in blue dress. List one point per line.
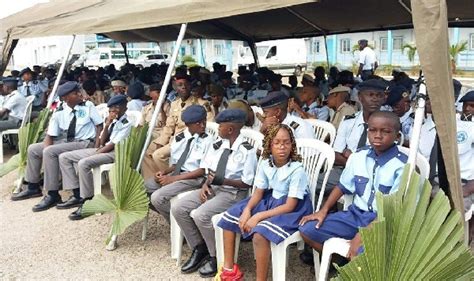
(281, 198)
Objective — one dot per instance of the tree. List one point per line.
(454, 52)
(411, 51)
(413, 238)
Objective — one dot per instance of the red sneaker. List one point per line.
(234, 275)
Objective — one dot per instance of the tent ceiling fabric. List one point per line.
(149, 20)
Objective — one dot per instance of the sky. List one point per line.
(7, 8)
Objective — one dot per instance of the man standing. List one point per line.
(30, 87)
(367, 60)
(76, 125)
(14, 106)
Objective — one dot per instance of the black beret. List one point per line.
(136, 90)
(469, 96)
(181, 76)
(396, 94)
(193, 114)
(232, 115)
(226, 75)
(10, 81)
(274, 77)
(117, 100)
(67, 88)
(273, 99)
(373, 84)
(25, 70)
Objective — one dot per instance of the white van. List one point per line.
(104, 56)
(287, 56)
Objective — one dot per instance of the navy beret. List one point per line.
(469, 96)
(226, 75)
(25, 70)
(10, 81)
(457, 86)
(396, 94)
(373, 84)
(193, 114)
(231, 115)
(273, 99)
(136, 90)
(117, 100)
(67, 88)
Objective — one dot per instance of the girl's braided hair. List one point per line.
(267, 143)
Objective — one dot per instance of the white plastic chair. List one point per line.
(103, 110)
(24, 121)
(467, 218)
(316, 156)
(341, 246)
(323, 129)
(135, 117)
(212, 128)
(255, 138)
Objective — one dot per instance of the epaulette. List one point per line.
(365, 147)
(347, 117)
(412, 115)
(203, 135)
(82, 103)
(125, 121)
(179, 137)
(59, 108)
(247, 145)
(35, 81)
(217, 144)
(208, 108)
(294, 125)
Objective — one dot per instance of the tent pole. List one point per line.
(253, 48)
(419, 116)
(60, 74)
(162, 97)
(124, 46)
(326, 48)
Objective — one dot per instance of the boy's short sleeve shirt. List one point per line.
(198, 149)
(121, 130)
(366, 173)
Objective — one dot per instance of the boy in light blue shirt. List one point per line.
(373, 168)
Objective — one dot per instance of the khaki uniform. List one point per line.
(343, 110)
(174, 125)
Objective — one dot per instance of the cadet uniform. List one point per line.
(319, 112)
(365, 173)
(300, 127)
(86, 159)
(15, 103)
(187, 151)
(237, 162)
(72, 129)
(174, 125)
(343, 110)
(136, 91)
(465, 139)
(34, 88)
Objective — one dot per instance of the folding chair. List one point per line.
(24, 121)
(341, 246)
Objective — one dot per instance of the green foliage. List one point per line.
(130, 203)
(29, 134)
(410, 51)
(456, 49)
(189, 61)
(413, 239)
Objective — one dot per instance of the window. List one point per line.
(314, 47)
(345, 45)
(383, 43)
(193, 50)
(397, 43)
(272, 52)
(218, 50)
(471, 41)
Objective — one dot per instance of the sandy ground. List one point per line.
(48, 246)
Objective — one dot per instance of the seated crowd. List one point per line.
(372, 117)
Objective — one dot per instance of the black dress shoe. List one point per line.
(77, 215)
(47, 202)
(27, 194)
(198, 257)
(307, 257)
(70, 203)
(209, 268)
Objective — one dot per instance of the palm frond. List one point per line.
(410, 51)
(130, 203)
(456, 49)
(413, 238)
(11, 165)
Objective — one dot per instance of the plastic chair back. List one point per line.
(322, 130)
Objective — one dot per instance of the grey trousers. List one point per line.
(161, 196)
(199, 227)
(9, 124)
(49, 158)
(84, 160)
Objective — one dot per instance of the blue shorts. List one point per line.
(274, 229)
(344, 224)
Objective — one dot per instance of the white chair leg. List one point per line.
(145, 226)
(96, 175)
(175, 232)
(1, 148)
(219, 236)
(237, 245)
(317, 264)
(279, 261)
(324, 266)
